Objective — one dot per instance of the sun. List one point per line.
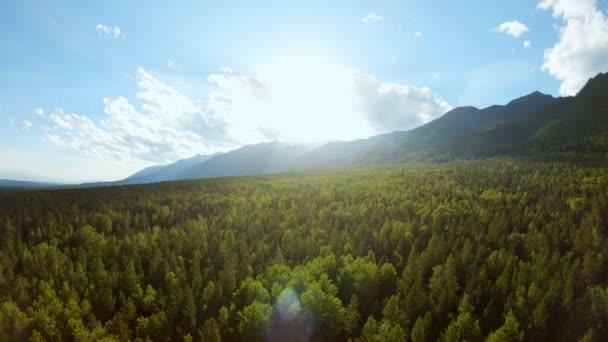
(311, 98)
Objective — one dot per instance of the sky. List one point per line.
(99, 90)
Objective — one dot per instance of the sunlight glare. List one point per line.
(322, 92)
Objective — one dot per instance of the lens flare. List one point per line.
(288, 306)
(289, 321)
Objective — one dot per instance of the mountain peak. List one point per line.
(464, 109)
(461, 110)
(532, 97)
(595, 86)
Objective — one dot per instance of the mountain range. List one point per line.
(531, 126)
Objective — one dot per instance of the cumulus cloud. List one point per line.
(581, 51)
(391, 106)
(513, 28)
(371, 18)
(39, 111)
(527, 44)
(171, 126)
(108, 31)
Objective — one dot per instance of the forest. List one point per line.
(489, 250)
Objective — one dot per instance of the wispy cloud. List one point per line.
(39, 111)
(371, 18)
(26, 125)
(418, 35)
(172, 65)
(513, 28)
(108, 31)
(527, 44)
(54, 139)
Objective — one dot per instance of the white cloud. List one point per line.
(436, 75)
(569, 8)
(39, 111)
(391, 106)
(70, 122)
(581, 51)
(108, 31)
(418, 35)
(55, 139)
(172, 65)
(26, 125)
(102, 29)
(170, 127)
(527, 44)
(513, 28)
(371, 18)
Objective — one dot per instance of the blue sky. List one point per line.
(97, 90)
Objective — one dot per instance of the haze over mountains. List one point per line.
(528, 126)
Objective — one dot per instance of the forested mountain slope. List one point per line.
(174, 171)
(500, 249)
(571, 126)
(258, 159)
(534, 125)
(456, 124)
(255, 159)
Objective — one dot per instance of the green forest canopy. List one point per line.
(497, 250)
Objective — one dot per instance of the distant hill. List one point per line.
(255, 159)
(533, 125)
(16, 184)
(169, 172)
